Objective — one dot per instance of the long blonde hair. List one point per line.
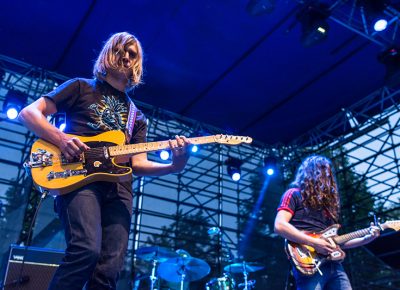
(318, 186)
(108, 60)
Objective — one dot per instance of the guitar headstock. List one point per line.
(232, 140)
(395, 225)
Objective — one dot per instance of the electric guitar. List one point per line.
(53, 173)
(308, 261)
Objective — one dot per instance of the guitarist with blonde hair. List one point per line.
(96, 217)
(310, 207)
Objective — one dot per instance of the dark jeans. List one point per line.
(334, 278)
(96, 221)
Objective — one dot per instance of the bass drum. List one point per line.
(223, 283)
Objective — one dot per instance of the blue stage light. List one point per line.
(195, 148)
(270, 171)
(380, 24)
(236, 176)
(233, 168)
(12, 112)
(270, 165)
(60, 121)
(13, 103)
(164, 154)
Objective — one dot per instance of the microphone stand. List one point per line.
(221, 242)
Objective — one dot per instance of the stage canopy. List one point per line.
(243, 66)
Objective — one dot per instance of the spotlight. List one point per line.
(233, 168)
(373, 13)
(314, 25)
(270, 165)
(380, 25)
(60, 121)
(13, 103)
(391, 59)
(195, 148)
(164, 154)
(258, 7)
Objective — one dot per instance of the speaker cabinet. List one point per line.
(30, 268)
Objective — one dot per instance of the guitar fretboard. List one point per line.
(131, 149)
(353, 235)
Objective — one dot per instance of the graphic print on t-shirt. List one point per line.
(109, 114)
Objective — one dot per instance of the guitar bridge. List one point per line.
(40, 158)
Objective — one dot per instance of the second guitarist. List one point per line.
(312, 205)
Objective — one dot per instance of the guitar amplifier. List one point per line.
(30, 268)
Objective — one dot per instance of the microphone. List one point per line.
(213, 231)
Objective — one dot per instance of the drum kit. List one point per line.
(179, 267)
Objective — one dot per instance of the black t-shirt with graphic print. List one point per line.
(310, 220)
(93, 106)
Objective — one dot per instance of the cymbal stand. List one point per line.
(183, 275)
(153, 277)
(245, 274)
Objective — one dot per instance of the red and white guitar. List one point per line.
(307, 260)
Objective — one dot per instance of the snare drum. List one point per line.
(223, 283)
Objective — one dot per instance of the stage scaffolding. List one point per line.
(367, 134)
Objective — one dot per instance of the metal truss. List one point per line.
(370, 126)
(353, 16)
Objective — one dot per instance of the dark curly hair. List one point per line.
(318, 186)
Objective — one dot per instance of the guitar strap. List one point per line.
(331, 215)
(130, 123)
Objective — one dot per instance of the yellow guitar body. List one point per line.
(70, 182)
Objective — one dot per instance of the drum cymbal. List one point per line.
(193, 268)
(155, 253)
(240, 267)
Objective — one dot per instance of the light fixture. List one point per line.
(390, 57)
(270, 165)
(373, 14)
(233, 168)
(13, 103)
(60, 121)
(164, 154)
(195, 148)
(314, 25)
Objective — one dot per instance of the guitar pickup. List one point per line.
(65, 174)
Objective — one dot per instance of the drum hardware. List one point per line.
(216, 231)
(154, 255)
(222, 283)
(245, 268)
(250, 284)
(183, 269)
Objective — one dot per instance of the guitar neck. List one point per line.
(132, 149)
(353, 235)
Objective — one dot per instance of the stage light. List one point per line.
(164, 154)
(373, 14)
(380, 25)
(233, 168)
(13, 103)
(195, 148)
(259, 7)
(314, 25)
(390, 57)
(60, 121)
(270, 165)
